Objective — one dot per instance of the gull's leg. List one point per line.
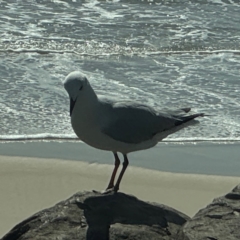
(117, 163)
(125, 164)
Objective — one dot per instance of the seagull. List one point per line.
(119, 126)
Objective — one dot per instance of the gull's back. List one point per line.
(131, 122)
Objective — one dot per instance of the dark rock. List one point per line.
(218, 221)
(91, 215)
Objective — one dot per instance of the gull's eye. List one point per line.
(81, 88)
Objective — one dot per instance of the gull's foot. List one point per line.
(108, 190)
(83, 222)
(116, 188)
(95, 191)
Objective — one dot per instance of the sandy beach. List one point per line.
(29, 184)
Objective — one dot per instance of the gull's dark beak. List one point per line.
(72, 103)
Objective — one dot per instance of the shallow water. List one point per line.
(169, 54)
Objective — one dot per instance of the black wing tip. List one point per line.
(186, 110)
(203, 115)
(200, 115)
(189, 118)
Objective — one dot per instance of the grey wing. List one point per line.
(135, 123)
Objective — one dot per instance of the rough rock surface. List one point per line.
(218, 221)
(88, 215)
(94, 216)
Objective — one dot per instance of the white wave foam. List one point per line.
(124, 51)
(66, 137)
(41, 136)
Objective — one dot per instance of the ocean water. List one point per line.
(168, 54)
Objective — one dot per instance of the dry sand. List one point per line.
(28, 185)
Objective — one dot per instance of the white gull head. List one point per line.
(78, 88)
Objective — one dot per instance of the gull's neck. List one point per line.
(85, 115)
(86, 106)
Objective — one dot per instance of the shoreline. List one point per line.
(198, 158)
